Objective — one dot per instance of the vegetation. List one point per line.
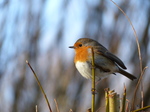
(40, 31)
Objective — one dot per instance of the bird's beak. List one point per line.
(72, 47)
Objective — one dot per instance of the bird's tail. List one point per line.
(130, 76)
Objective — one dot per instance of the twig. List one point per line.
(138, 110)
(36, 109)
(106, 100)
(139, 51)
(70, 110)
(136, 88)
(40, 86)
(112, 101)
(128, 105)
(56, 105)
(93, 82)
(124, 100)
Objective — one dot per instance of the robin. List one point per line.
(105, 62)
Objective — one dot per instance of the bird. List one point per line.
(106, 63)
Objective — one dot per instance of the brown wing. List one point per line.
(103, 51)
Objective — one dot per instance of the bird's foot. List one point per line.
(98, 81)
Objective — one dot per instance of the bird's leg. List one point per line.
(94, 91)
(114, 73)
(98, 81)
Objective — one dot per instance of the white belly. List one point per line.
(85, 70)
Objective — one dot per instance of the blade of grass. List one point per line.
(41, 88)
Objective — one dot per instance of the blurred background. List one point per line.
(40, 31)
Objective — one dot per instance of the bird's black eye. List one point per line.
(80, 45)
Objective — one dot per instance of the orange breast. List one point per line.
(81, 54)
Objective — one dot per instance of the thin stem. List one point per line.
(141, 109)
(41, 88)
(124, 100)
(36, 109)
(139, 52)
(56, 105)
(136, 88)
(106, 100)
(93, 82)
